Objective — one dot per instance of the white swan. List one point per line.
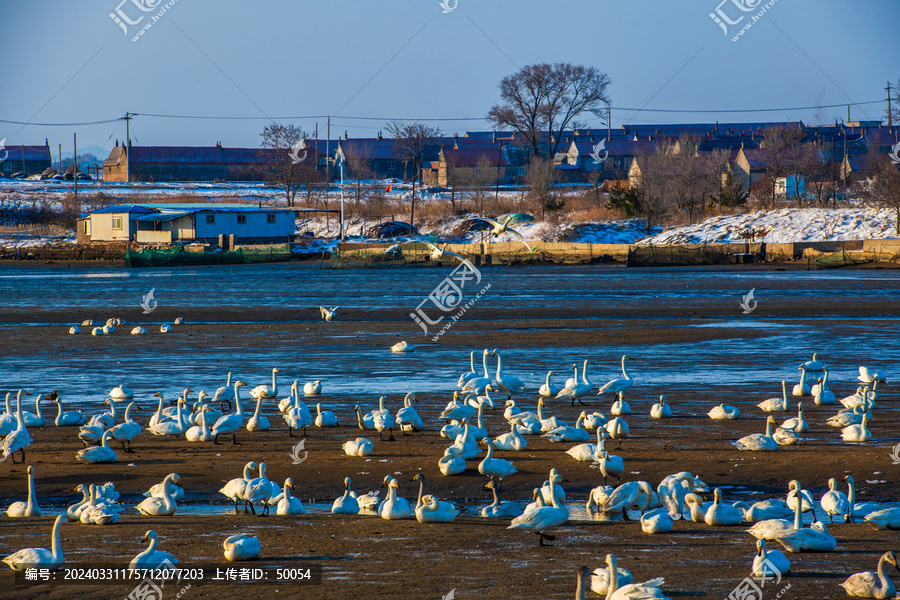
(766, 560)
(258, 422)
(97, 331)
(465, 445)
(68, 418)
(158, 490)
(499, 228)
(821, 394)
(540, 519)
(848, 417)
(805, 497)
(798, 424)
(201, 431)
(609, 464)
(39, 558)
(328, 314)
(138, 330)
(867, 376)
(236, 488)
(264, 391)
(8, 418)
(74, 329)
(724, 412)
(548, 390)
(394, 507)
(465, 377)
(776, 404)
(657, 520)
(98, 454)
(383, 421)
(575, 389)
(451, 464)
(648, 590)
(498, 509)
(401, 347)
(151, 558)
(35, 419)
(723, 514)
(161, 506)
(634, 494)
(620, 407)
(358, 447)
(872, 585)
(757, 441)
(801, 389)
(325, 418)
(888, 518)
(570, 434)
(177, 426)
(121, 392)
(614, 386)
(857, 433)
(312, 388)
(600, 579)
(435, 511)
(815, 364)
(597, 497)
(229, 424)
(30, 507)
(241, 547)
(661, 410)
(408, 417)
(503, 382)
(99, 511)
(297, 416)
(835, 502)
(799, 538)
(165, 328)
(594, 420)
(477, 384)
(512, 441)
(550, 423)
(289, 504)
(858, 510)
(347, 504)
(775, 508)
(18, 439)
(617, 428)
(73, 512)
(497, 469)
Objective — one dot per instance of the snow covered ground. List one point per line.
(787, 225)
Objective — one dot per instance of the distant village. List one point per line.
(840, 152)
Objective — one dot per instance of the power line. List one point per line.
(748, 110)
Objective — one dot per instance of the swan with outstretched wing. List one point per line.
(438, 254)
(499, 228)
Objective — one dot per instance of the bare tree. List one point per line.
(776, 152)
(540, 177)
(480, 181)
(885, 188)
(360, 167)
(287, 163)
(693, 178)
(547, 97)
(802, 160)
(413, 142)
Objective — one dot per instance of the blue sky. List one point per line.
(68, 62)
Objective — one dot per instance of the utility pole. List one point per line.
(890, 115)
(75, 164)
(499, 160)
(328, 151)
(608, 122)
(60, 159)
(316, 164)
(128, 116)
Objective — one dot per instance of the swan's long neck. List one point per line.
(152, 547)
(421, 491)
(484, 356)
(798, 523)
(8, 394)
(802, 377)
(784, 400)
(359, 420)
(104, 439)
(20, 419)
(480, 420)
(287, 492)
(769, 425)
(496, 501)
(392, 494)
(127, 411)
(553, 499)
(32, 496)
(824, 385)
(540, 411)
(179, 415)
(59, 409)
(579, 424)
(584, 378)
(228, 383)
(624, 372)
(238, 409)
(258, 406)
(112, 409)
(851, 493)
(55, 549)
(248, 469)
(882, 576)
(92, 495)
(613, 577)
(274, 384)
(37, 406)
(262, 470)
(472, 361)
(159, 408)
(499, 364)
(490, 451)
(381, 404)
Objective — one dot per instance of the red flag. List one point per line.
(387, 190)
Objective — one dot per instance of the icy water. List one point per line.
(356, 364)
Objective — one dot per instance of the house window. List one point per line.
(210, 219)
(117, 222)
(270, 218)
(242, 219)
(391, 165)
(323, 160)
(521, 171)
(7, 166)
